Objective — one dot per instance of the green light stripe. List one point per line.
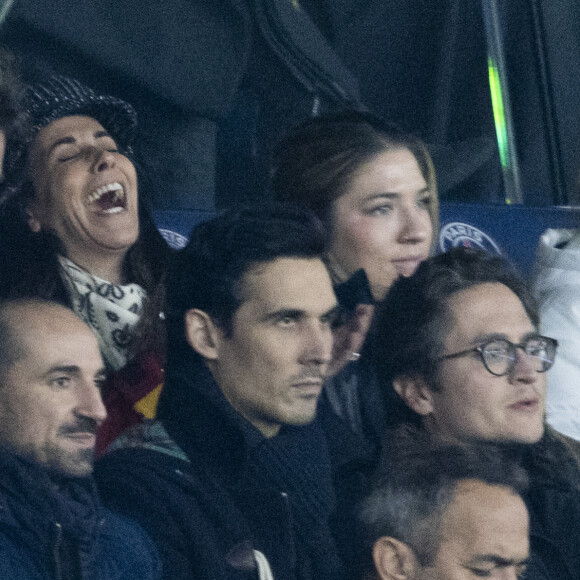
(498, 112)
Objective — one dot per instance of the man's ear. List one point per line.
(201, 333)
(394, 560)
(416, 393)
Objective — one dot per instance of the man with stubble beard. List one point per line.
(52, 524)
(237, 479)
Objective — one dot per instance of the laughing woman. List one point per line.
(373, 186)
(73, 231)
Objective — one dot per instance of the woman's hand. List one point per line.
(349, 338)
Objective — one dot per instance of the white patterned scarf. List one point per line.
(112, 311)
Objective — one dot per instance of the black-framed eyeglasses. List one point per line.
(498, 355)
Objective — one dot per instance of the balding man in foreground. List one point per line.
(52, 525)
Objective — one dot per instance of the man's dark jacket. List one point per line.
(553, 501)
(55, 529)
(210, 489)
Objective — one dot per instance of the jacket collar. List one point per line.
(201, 421)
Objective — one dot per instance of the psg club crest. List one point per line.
(456, 234)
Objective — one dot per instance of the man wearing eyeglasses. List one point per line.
(459, 344)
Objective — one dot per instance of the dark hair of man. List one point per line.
(208, 273)
(314, 164)
(416, 483)
(413, 321)
(10, 96)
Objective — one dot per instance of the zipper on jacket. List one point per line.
(56, 551)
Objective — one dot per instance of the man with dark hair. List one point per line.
(464, 298)
(10, 95)
(459, 344)
(51, 522)
(235, 480)
(445, 513)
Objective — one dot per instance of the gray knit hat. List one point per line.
(58, 96)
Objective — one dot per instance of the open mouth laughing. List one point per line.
(108, 199)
